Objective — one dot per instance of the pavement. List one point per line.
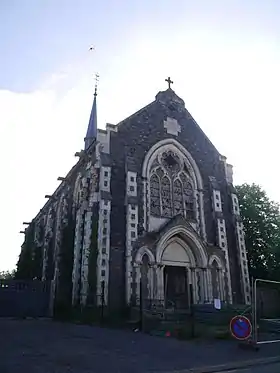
(42, 346)
(273, 368)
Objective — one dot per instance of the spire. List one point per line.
(92, 125)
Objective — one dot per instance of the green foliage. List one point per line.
(66, 257)
(7, 275)
(93, 252)
(25, 265)
(261, 219)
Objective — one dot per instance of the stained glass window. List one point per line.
(166, 197)
(155, 195)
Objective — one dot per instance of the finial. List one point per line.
(169, 81)
(96, 83)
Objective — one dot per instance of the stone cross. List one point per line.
(169, 81)
(172, 126)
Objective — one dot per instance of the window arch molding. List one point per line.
(173, 145)
(76, 192)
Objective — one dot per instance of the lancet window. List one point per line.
(171, 188)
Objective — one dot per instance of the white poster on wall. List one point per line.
(217, 304)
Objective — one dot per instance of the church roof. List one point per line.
(92, 125)
(169, 96)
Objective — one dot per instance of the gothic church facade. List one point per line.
(150, 204)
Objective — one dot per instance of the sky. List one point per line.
(223, 57)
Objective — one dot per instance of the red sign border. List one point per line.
(247, 321)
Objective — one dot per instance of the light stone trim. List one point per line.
(208, 279)
(202, 216)
(235, 204)
(57, 245)
(217, 201)
(111, 127)
(146, 198)
(48, 236)
(77, 256)
(131, 236)
(228, 169)
(159, 277)
(77, 190)
(194, 285)
(222, 240)
(105, 179)
(85, 258)
(103, 255)
(243, 262)
(180, 150)
(131, 184)
(137, 268)
(204, 282)
(190, 237)
(104, 140)
(175, 146)
(172, 126)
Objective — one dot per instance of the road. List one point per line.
(30, 346)
(273, 368)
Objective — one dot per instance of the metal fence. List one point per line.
(24, 298)
(266, 311)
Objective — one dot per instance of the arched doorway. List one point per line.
(176, 287)
(145, 278)
(176, 259)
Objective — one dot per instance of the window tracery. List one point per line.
(171, 187)
(166, 197)
(154, 195)
(178, 200)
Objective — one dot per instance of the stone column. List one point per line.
(77, 257)
(202, 215)
(221, 290)
(205, 285)
(194, 284)
(223, 296)
(200, 285)
(209, 285)
(151, 281)
(137, 282)
(160, 282)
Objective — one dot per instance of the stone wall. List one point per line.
(135, 136)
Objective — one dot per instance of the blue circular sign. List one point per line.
(240, 327)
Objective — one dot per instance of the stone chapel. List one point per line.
(149, 204)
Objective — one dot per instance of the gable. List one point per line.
(165, 118)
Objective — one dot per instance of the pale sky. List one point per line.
(223, 56)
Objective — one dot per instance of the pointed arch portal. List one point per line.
(179, 260)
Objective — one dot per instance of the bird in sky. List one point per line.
(92, 48)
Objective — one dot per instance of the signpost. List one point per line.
(240, 328)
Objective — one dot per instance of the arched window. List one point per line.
(166, 202)
(155, 195)
(189, 200)
(171, 188)
(178, 202)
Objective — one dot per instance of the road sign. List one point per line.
(240, 328)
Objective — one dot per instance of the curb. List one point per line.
(17, 318)
(230, 366)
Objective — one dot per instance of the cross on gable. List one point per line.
(172, 126)
(169, 81)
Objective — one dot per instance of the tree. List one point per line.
(261, 219)
(25, 264)
(7, 275)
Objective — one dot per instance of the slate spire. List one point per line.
(92, 125)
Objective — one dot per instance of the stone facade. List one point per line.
(150, 202)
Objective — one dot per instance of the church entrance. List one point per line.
(176, 287)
